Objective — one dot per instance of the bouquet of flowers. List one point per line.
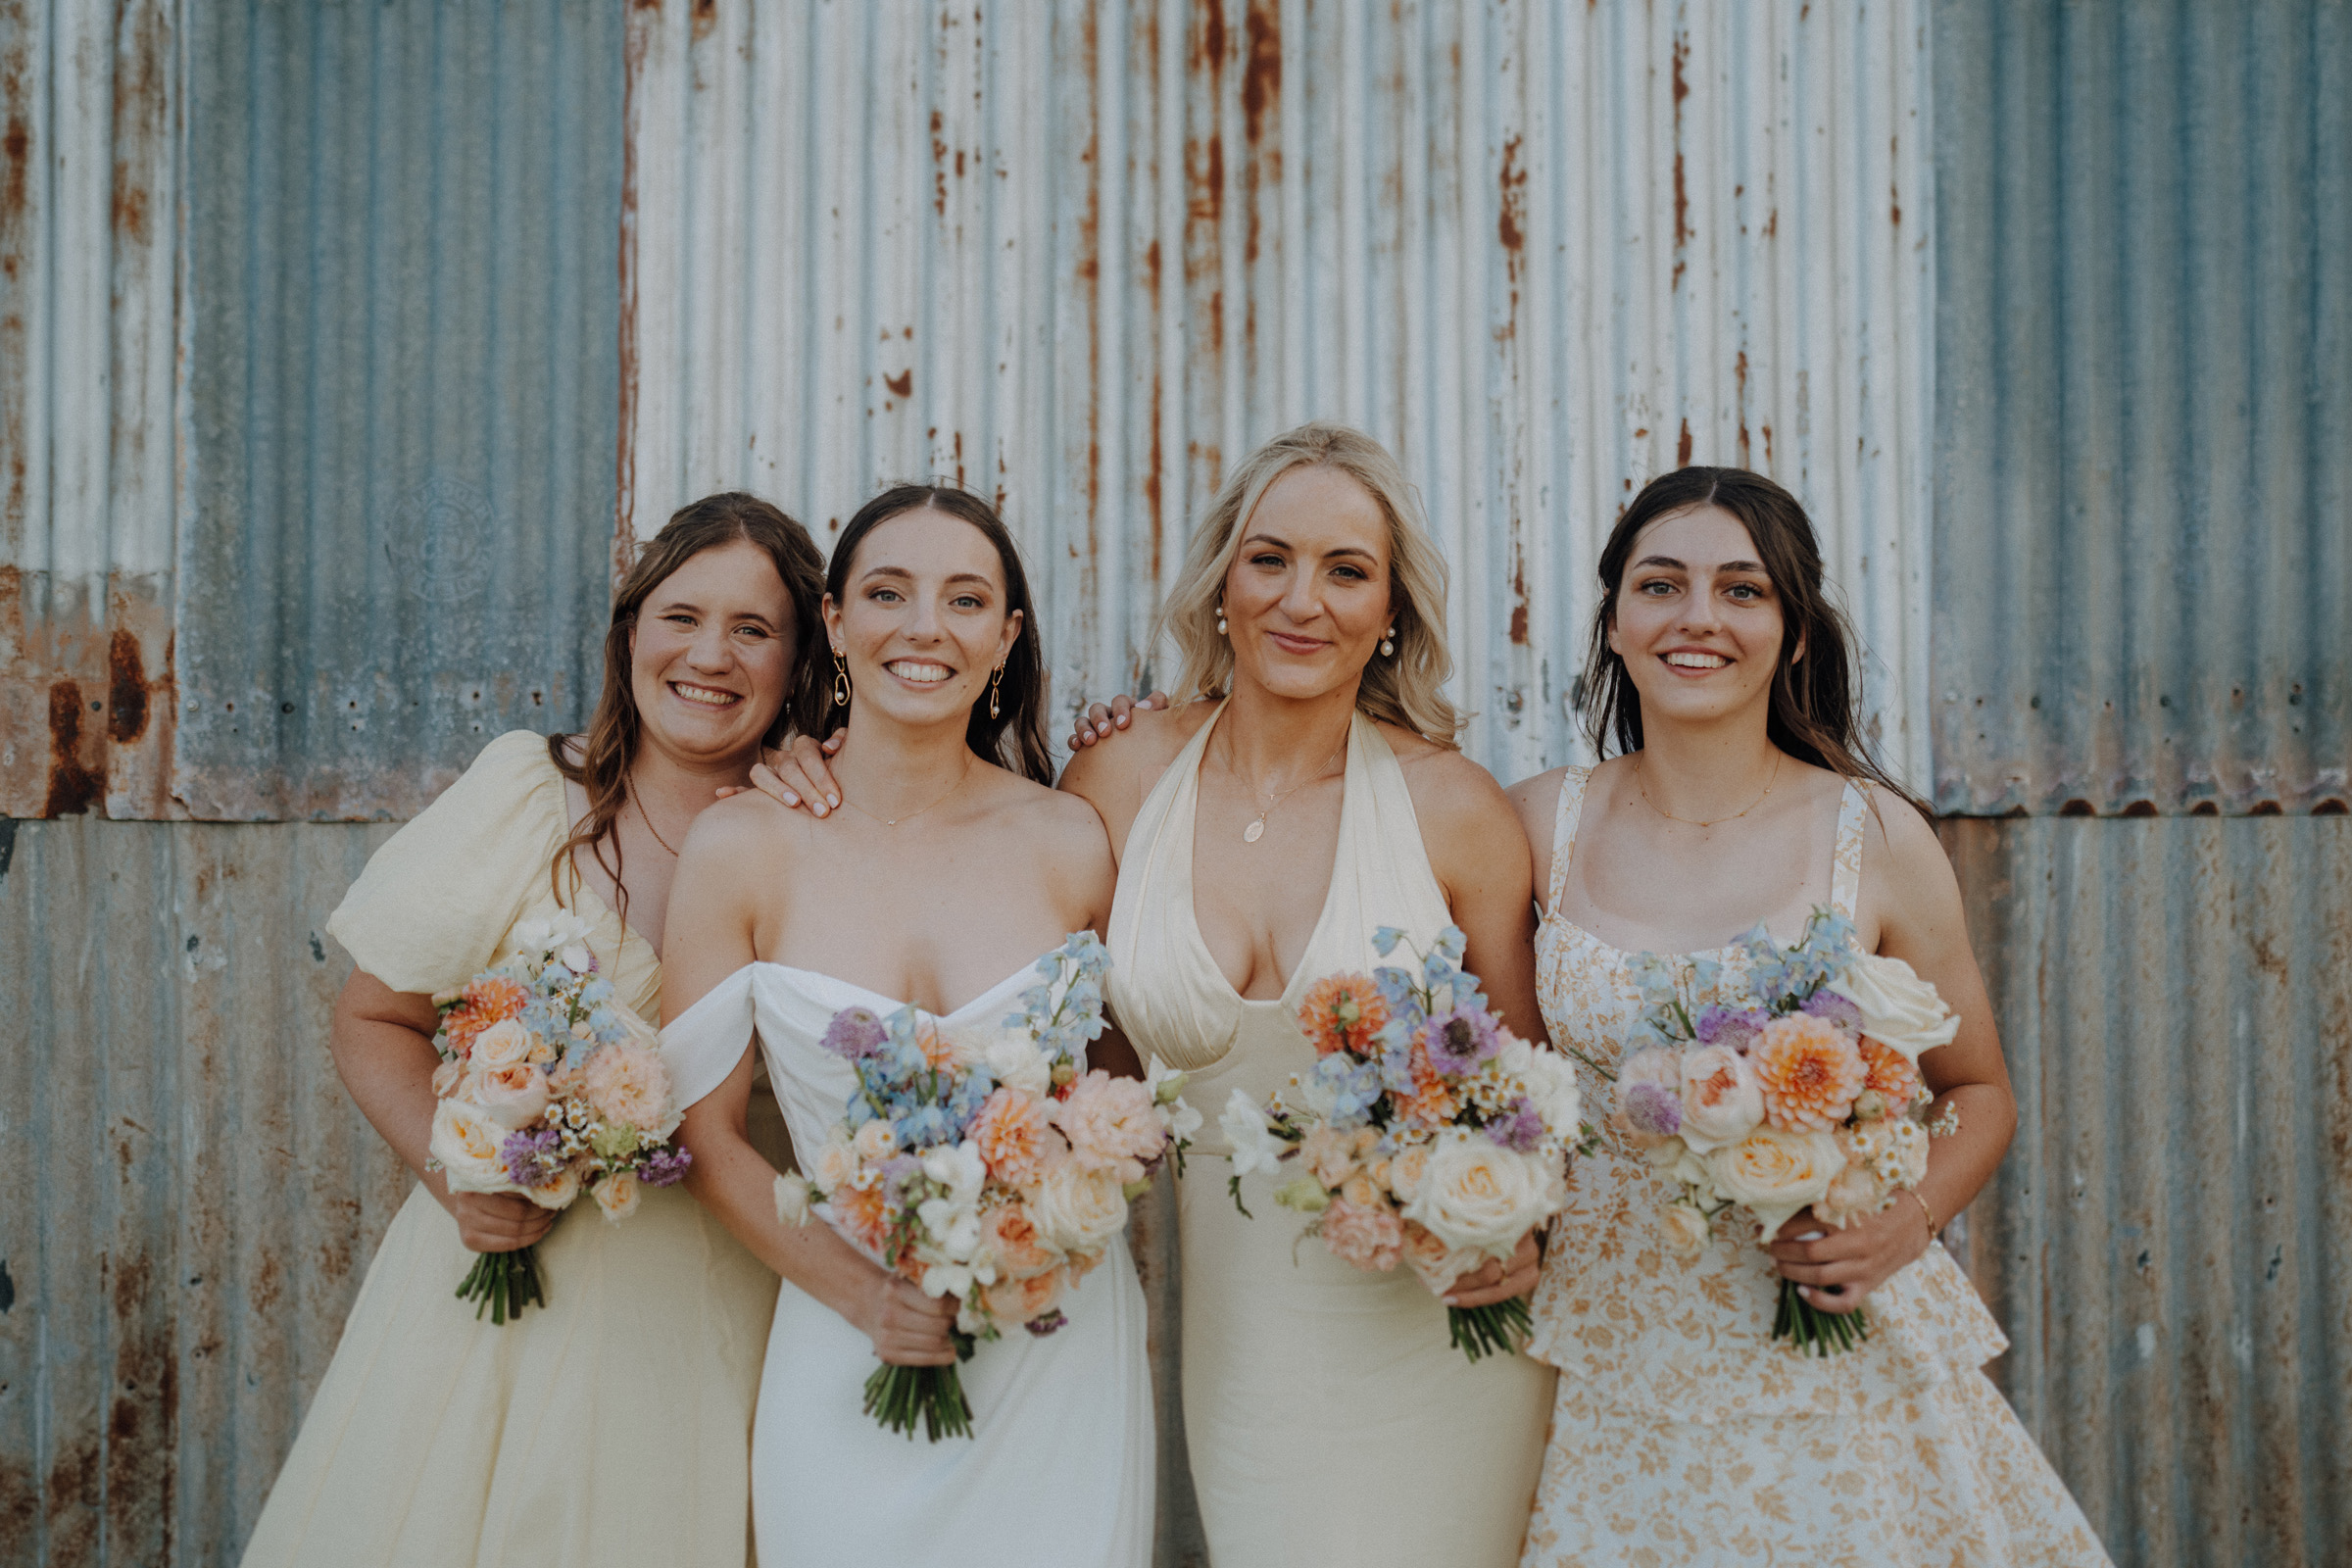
(547, 1086)
(1426, 1132)
(1809, 1099)
(981, 1163)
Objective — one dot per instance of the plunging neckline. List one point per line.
(893, 1004)
(1331, 881)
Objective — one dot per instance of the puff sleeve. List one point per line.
(437, 900)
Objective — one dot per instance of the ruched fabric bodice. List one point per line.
(1062, 1448)
(1684, 1436)
(1310, 1387)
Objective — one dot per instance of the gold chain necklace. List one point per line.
(1258, 829)
(1692, 821)
(894, 822)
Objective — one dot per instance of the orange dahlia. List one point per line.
(491, 999)
(864, 1212)
(1891, 1073)
(1809, 1072)
(1432, 1102)
(1343, 1012)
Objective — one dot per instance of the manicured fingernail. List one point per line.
(818, 810)
(1103, 729)
(1121, 721)
(791, 798)
(832, 800)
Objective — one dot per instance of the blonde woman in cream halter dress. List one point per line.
(1262, 838)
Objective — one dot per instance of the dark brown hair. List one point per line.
(1813, 709)
(1015, 740)
(608, 746)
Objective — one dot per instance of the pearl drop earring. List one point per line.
(1221, 621)
(1388, 643)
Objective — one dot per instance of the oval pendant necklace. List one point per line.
(1258, 829)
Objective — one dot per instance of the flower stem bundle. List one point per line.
(503, 1284)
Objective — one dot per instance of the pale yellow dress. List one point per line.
(1682, 1434)
(611, 1427)
(1327, 1417)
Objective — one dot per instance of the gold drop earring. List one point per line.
(841, 681)
(996, 685)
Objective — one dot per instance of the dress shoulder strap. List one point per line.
(1845, 867)
(1563, 832)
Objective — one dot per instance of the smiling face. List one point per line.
(1307, 595)
(1696, 620)
(922, 621)
(711, 655)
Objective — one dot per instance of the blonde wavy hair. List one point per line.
(1404, 689)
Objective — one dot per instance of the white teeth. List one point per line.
(706, 696)
(918, 669)
(1698, 661)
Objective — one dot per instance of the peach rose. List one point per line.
(1330, 1153)
(1021, 1300)
(558, 1191)
(1363, 1191)
(1111, 1124)
(1011, 1236)
(1013, 1136)
(1363, 1236)
(863, 1214)
(469, 1145)
(1407, 1169)
(1809, 1070)
(874, 1142)
(627, 1084)
(505, 1044)
(1722, 1101)
(1433, 1262)
(448, 1076)
(1774, 1173)
(1855, 1191)
(515, 1096)
(618, 1194)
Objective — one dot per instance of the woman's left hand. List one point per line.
(1837, 1268)
(1497, 1280)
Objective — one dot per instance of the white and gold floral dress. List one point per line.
(1682, 1433)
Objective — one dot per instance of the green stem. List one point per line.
(503, 1284)
(1497, 1329)
(1813, 1331)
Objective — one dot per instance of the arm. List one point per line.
(1921, 921)
(382, 1043)
(709, 936)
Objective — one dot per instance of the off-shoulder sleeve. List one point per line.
(437, 900)
(703, 1045)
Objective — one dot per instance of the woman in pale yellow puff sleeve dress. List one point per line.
(612, 1424)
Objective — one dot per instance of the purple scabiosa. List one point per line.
(530, 1156)
(854, 1033)
(1828, 1006)
(1047, 1323)
(1736, 1027)
(664, 1167)
(1519, 1129)
(1459, 1040)
(1653, 1110)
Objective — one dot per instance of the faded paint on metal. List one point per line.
(402, 383)
(1082, 257)
(198, 1197)
(2169, 1241)
(87, 445)
(2143, 495)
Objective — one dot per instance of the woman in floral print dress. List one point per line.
(1682, 1433)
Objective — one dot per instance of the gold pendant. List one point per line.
(1255, 831)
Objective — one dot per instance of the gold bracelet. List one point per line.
(1924, 1209)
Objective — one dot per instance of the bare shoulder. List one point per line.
(1444, 781)
(1148, 743)
(750, 830)
(1895, 837)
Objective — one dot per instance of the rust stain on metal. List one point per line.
(901, 384)
(706, 16)
(1261, 69)
(939, 163)
(1681, 448)
(1739, 376)
(1507, 219)
(643, 20)
(72, 784)
(1682, 194)
(125, 689)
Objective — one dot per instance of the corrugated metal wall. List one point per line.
(2167, 1243)
(1084, 256)
(2143, 475)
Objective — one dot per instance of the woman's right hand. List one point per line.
(796, 776)
(1101, 721)
(907, 1327)
(497, 1222)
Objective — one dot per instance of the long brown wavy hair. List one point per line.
(608, 746)
(1014, 741)
(1813, 712)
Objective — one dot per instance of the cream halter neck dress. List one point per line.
(1328, 1418)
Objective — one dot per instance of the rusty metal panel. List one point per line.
(1081, 256)
(2169, 1241)
(87, 353)
(2143, 490)
(402, 386)
(204, 1198)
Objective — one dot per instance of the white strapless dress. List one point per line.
(1060, 1465)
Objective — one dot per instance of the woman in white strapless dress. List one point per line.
(953, 870)
(1266, 838)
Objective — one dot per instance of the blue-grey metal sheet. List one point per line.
(194, 1198)
(403, 242)
(2143, 467)
(2169, 1241)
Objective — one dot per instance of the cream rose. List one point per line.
(1013, 1061)
(1899, 1011)
(1477, 1194)
(505, 1044)
(1685, 1229)
(515, 1096)
(1077, 1210)
(1775, 1173)
(1654, 1065)
(874, 1142)
(558, 1191)
(618, 1194)
(835, 1163)
(1722, 1101)
(466, 1139)
(792, 1198)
